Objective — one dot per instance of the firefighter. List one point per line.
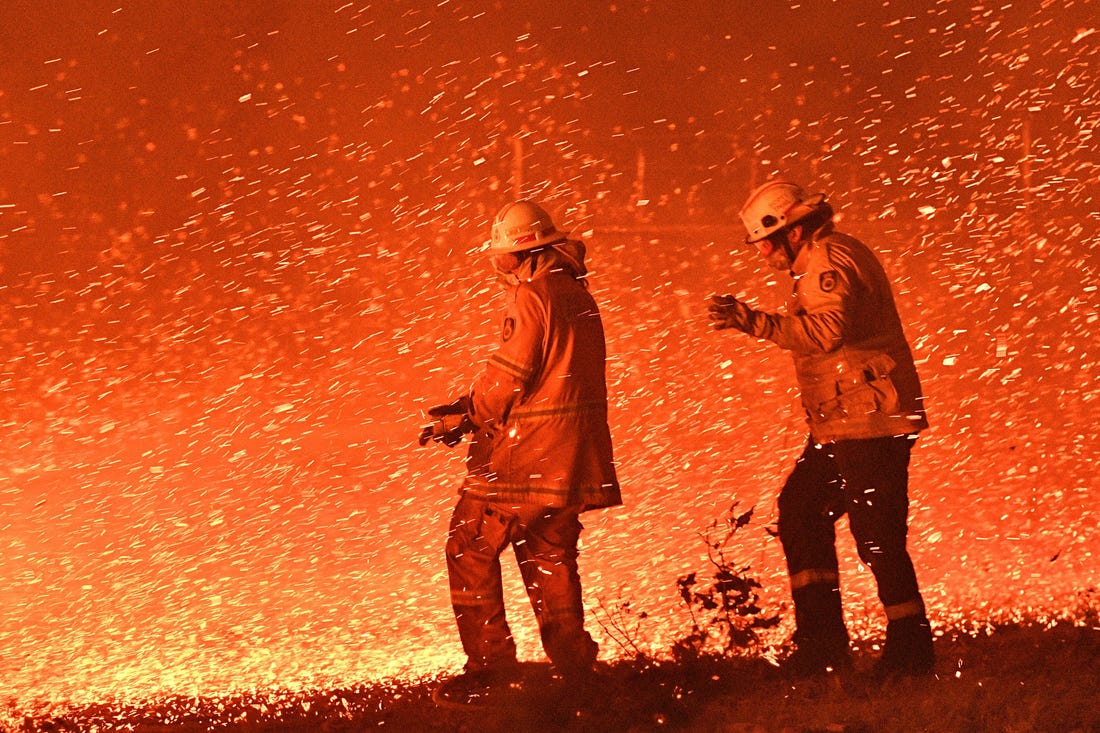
(540, 454)
(863, 402)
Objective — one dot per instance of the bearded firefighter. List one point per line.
(540, 454)
(863, 402)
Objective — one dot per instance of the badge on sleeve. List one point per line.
(827, 281)
(509, 328)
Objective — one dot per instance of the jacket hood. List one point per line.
(568, 256)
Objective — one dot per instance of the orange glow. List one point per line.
(238, 262)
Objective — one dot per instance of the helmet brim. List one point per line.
(556, 238)
(796, 213)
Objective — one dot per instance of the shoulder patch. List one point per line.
(827, 281)
(509, 328)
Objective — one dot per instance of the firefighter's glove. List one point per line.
(449, 423)
(726, 311)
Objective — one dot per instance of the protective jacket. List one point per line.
(854, 366)
(540, 406)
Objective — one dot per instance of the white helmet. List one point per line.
(520, 226)
(775, 205)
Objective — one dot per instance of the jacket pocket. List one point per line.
(867, 388)
(879, 376)
(871, 388)
(480, 528)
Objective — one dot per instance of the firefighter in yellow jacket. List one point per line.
(864, 407)
(540, 452)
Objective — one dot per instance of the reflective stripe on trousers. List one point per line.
(867, 480)
(804, 578)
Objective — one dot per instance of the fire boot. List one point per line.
(820, 637)
(908, 651)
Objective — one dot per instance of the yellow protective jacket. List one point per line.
(854, 366)
(540, 406)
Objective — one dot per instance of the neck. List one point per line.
(801, 260)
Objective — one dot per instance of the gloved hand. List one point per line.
(450, 423)
(726, 311)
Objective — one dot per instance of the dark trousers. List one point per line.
(545, 545)
(867, 479)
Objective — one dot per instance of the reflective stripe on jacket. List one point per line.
(541, 403)
(854, 366)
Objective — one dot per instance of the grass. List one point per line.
(1017, 678)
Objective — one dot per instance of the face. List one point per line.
(774, 253)
(505, 264)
